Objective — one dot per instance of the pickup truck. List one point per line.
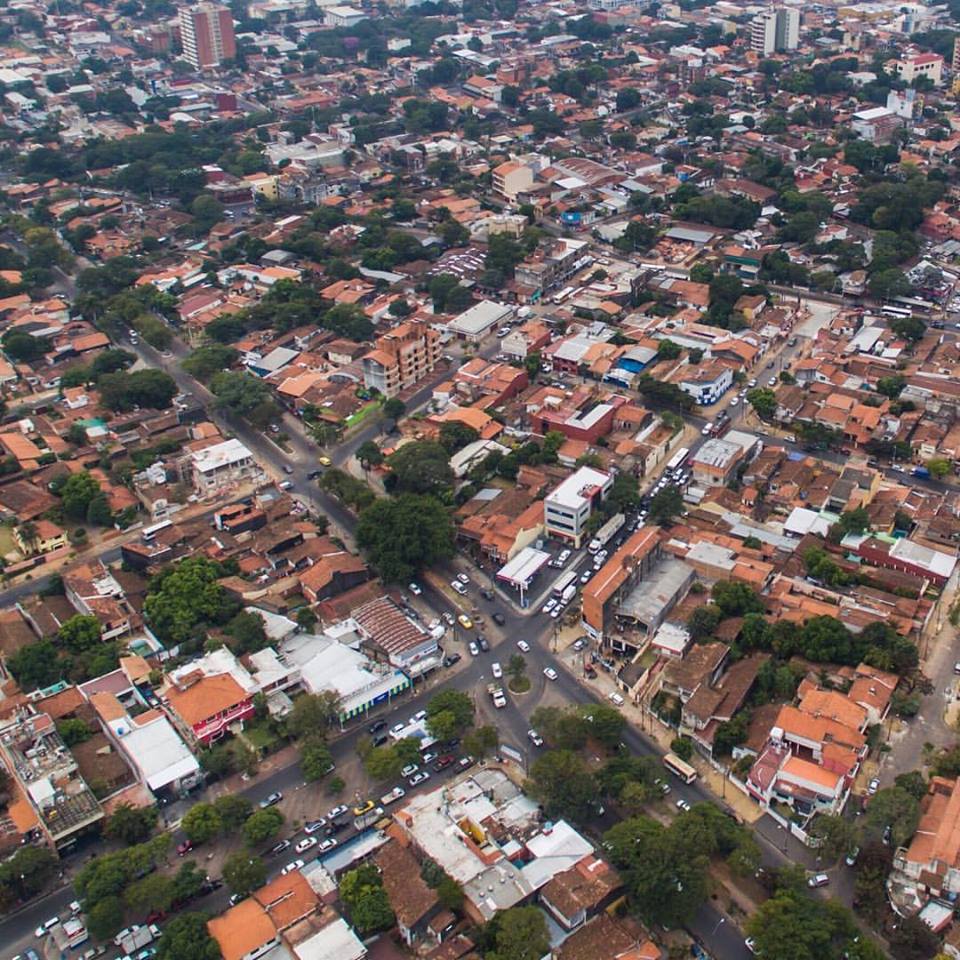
(393, 796)
(496, 694)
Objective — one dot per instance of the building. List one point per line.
(207, 34)
(342, 16)
(203, 706)
(775, 29)
(568, 507)
(223, 465)
(932, 861)
(476, 322)
(876, 125)
(401, 358)
(511, 178)
(707, 381)
(927, 66)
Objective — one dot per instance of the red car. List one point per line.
(184, 848)
(444, 762)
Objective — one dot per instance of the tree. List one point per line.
(80, 633)
(28, 872)
(481, 741)
(99, 513)
(187, 882)
(369, 455)
(421, 467)
(36, 666)
(449, 713)
(130, 824)
(560, 781)
(764, 401)
(76, 493)
(521, 934)
(206, 211)
(313, 713)
(143, 388)
(185, 597)
(668, 350)
(262, 825)
(665, 505)
(403, 535)
(185, 937)
(22, 347)
(703, 621)
(150, 893)
(888, 283)
(604, 723)
(938, 467)
(105, 917)
(682, 747)
(836, 835)
(664, 873)
(793, 926)
(891, 386)
(362, 893)
(912, 939)
(454, 436)
(316, 761)
(233, 811)
(247, 630)
(209, 359)
(910, 328)
(243, 394)
(893, 807)
(244, 873)
(736, 599)
(202, 822)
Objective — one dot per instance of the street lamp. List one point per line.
(720, 923)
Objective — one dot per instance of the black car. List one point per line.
(278, 848)
(314, 474)
(484, 646)
(379, 725)
(487, 594)
(334, 827)
(451, 659)
(379, 739)
(499, 618)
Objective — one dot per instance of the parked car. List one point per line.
(447, 618)
(496, 669)
(487, 594)
(459, 587)
(580, 643)
(465, 622)
(305, 844)
(851, 857)
(362, 808)
(873, 786)
(421, 777)
(326, 846)
(451, 659)
(291, 866)
(499, 619)
(46, 927)
(550, 673)
(414, 589)
(272, 800)
(535, 738)
(463, 578)
(409, 770)
(473, 648)
(445, 761)
(751, 945)
(337, 811)
(465, 762)
(683, 806)
(184, 848)
(484, 646)
(818, 880)
(278, 848)
(549, 605)
(377, 726)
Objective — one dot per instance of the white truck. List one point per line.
(393, 796)
(136, 939)
(496, 695)
(606, 533)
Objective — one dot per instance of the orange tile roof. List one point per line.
(287, 899)
(242, 929)
(834, 706)
(798, 767)
(205, 698)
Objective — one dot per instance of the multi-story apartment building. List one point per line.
(775, 29)
(401, 358)
(567, 509)
(207, 35)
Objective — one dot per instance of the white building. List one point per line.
(222, 465)
(567, 509)
(706, 381)
(775, 29)
(342, 16)
(474, 324)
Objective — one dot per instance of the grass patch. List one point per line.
(518, 684)
(263, 738)
(357, 418)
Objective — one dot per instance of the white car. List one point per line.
(305, 844)
(549, 605)
(327, 845)
(125, 932)
(314, 825)
(409, 770)
(550, 673)
(496, 670)
(523, 645)
(707, 430)
(463, 578)
(46, 927)
(293, 865)
(556, 612)
(535, 738)
(772, 382)
(474, 649)
(459, 587)
(414, 589)
(734, 401)
(683, 806)
(397, 727)
(447, 618)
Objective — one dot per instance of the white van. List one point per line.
(616, 699)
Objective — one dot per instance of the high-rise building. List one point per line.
(207, 35)
(775, 29)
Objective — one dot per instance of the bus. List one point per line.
(563, 294)
(899, 313)
(915, 304)
(150, 533)
(678, 459)
(568, 579)
(679, 768)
